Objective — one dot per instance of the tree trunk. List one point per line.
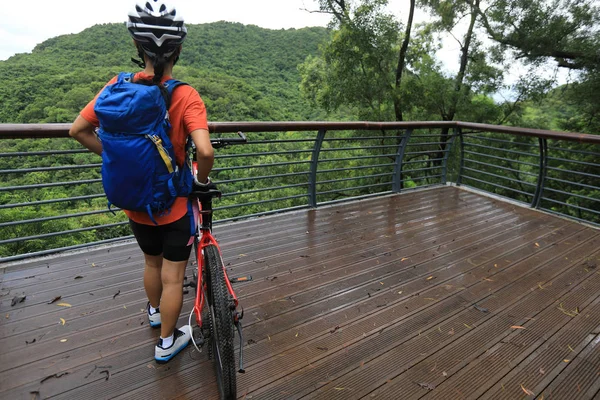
(401, 62)
(458, 83)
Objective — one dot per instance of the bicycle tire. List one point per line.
(222, 325)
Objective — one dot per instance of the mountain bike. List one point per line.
(216, 304)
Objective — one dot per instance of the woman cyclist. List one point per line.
(158, 32)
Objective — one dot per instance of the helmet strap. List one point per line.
(139, 63)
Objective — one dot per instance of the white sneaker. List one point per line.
(181, 339)
(154, 319)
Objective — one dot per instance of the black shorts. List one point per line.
(170, 240)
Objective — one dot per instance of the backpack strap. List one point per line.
(171, 85)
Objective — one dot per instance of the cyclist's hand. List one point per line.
(203, 187)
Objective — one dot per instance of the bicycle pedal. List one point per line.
(241, 279)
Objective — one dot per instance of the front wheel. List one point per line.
(221, 309)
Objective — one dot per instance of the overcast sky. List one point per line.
(26, 23)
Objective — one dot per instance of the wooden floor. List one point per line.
(436, 294)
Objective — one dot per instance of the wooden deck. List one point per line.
(434, 294)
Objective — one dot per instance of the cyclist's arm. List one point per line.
(83, 132)
(205, 154)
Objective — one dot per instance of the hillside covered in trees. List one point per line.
(243, 73)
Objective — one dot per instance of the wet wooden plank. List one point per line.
(354, 300)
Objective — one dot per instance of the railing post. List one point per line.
(462, 156)
(539, 190)
(312, 179)
(397, 182)
(448, 149)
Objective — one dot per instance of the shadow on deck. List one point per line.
(442, 293)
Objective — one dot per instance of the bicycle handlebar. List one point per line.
(222, 142)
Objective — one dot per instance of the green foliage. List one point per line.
(244, 73)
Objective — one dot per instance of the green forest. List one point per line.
(367, 65)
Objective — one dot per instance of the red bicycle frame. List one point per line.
(206, 239)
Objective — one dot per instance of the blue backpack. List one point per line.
(139, 172)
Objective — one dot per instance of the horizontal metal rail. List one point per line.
(355, 188)
(253, 203)
(500, 176)
(69, 232)
(47, 185)
(521, 153)
(57, 217)
(583, 185)
(496, 140)
(43, 153)
(501, 158)
(500, 167)
(354, 178)
(53, 201)
(572, 205)
(276, 156)
(499, 186)
(268, 189)
(45, 169)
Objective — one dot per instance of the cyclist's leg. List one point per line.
(153, 279)
(176, 252)
(172, 295)
(150, 240)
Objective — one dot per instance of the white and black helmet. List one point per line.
(156, 27)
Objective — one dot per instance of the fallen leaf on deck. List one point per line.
(468, 326)
(483, 310)
(527, 391)
(451, 332)
(116, 294)
(297, 334)
(427, 386)
(63, 340)
(78, 277)
(517, 327)
(93, 264)
(107, 372)
(569, 313)
(570, 348)
(400, 292)
(444, 373)
(331, 331)
(17, 299)
(430, 278)
(565, 360)
(339, 388)
(488, 279)
(404, 259)
(381, 283)
(54, 376)
(27, 342)
(542, 372)
(62, 321)
(55, 299)
(63, 305)
(537, 245)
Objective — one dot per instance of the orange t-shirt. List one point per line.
(187, 114)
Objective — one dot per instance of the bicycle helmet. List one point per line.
(157, 28)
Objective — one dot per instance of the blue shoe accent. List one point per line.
(181, 340)
(153, 319)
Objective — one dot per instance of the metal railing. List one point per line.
(51, 195)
